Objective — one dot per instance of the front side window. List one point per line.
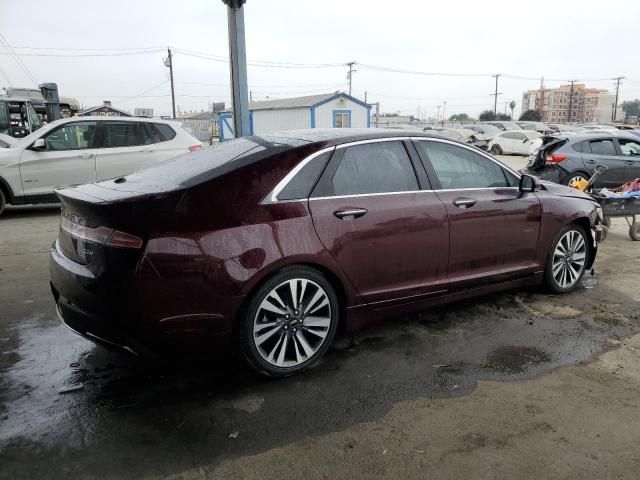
(374, 168)
(72, 136)
(602, 147)
(125, 134)
(342, 119)
(629, 147)
(457, 167)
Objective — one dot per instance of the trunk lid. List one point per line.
(538, 158)
(94, 214)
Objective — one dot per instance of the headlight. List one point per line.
(599, 213)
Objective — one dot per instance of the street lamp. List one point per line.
(238, 64)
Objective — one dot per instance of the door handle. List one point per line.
(147, 150)
(464, 202)
(350, 213)
(85, 155)
(590, 161)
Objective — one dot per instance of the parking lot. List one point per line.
(491, 388)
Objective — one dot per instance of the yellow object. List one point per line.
(579, 184)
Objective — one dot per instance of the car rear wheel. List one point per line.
(289, 322)
(3, 202)
(496, 149)
(567, 259)
(576, 180)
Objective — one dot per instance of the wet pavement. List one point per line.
(122, 418)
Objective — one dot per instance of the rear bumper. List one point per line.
(82, 306)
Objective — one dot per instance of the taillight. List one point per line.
(102, 235)
(556, 158)
(195, 148)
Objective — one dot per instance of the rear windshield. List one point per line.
(208, 163)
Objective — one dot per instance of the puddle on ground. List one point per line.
(511, 359)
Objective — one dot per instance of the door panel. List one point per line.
(630, 150)
(390, 238)
(126, 148)
(496, 235)
(67, 159)
(493, 227)
(603, 152)
(399, 248)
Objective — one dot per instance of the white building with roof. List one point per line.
(328, 110)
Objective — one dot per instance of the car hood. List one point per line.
(565, 191)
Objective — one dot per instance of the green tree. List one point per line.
(631, 107)
(512, 107)
(486, 116)
(531, 116)
(460, 117)
(503, 116)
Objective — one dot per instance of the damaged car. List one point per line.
(572, 159)
(280, 240)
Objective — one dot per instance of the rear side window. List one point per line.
(603, 147)
(301, 185)
(582, 147)
(457, 167)
(374, 168)
(163, 131)
(125, 134)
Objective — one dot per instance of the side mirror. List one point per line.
(525, 140)
(528, 183)
(39, 145)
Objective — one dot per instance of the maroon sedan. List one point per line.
(281, 239)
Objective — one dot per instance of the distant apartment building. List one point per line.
(589, 105)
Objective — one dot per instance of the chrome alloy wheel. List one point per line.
(569, 259)
(292, 322)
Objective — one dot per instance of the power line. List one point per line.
(164, 82)
(18, 60)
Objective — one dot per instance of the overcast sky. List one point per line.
(555, 39)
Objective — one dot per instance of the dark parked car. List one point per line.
(280, 239)
(572, 159)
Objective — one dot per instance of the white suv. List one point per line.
(85, 149)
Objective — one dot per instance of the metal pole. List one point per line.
(173, 96)
(495, 103)
(443, 110)
(377, 113)
(238, 61)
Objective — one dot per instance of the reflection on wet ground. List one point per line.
(130, 419)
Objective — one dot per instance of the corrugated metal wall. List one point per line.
(266, 121)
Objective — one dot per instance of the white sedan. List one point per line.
(85, 149)
(518, 142)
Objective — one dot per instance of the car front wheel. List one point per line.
(289, 322)
(496, 149)
(567, 259)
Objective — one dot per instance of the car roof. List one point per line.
(334, 136)
(61, 121)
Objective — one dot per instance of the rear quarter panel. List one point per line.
(226, 242)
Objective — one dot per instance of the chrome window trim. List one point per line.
(474, 150)
(272, 197)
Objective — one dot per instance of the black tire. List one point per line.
(573, 178)
(634, 231)
(552, 283)
(3, 202)
(283, 340)
(496, 149)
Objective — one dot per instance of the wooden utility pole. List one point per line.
(571, 101)
(350, 74)
(615, 105)
(169, 63)
(495, 102)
